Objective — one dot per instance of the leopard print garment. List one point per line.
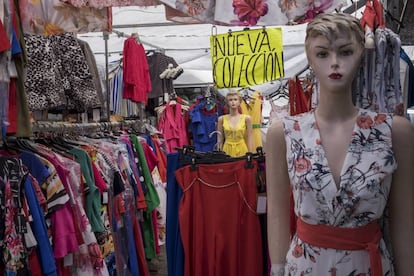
(57, 75)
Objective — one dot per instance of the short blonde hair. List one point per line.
(333, 25)
(233, 92)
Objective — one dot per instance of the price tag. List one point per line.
(105, 197)
(20, 224)
(261, 203)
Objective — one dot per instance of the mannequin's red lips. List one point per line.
(335, 76)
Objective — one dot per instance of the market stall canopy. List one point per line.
(188, 44)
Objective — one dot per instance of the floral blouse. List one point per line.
(362, 195)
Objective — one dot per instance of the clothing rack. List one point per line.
(193, 157)
(122, 34)
(63, 127)
(107, 53)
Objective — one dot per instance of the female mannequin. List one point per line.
(340, 161)
(235, 129)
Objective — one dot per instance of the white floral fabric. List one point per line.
(361, 198)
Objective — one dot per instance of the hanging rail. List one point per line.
(62, 127)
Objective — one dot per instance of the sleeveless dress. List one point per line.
(362, 196)
(234, 138)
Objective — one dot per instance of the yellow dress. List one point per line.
(254, 108)
(234, 138)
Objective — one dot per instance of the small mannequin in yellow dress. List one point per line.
(235, 136)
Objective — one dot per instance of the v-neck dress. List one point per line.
(361, 198)
(234, 138)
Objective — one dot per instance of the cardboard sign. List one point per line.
(246, 58)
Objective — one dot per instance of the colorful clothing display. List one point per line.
(88, 200)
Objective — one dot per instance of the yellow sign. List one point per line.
(246, 58)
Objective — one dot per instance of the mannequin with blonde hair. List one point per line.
(349, 169)
(235, 130)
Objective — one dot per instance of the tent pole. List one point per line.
(108, 94)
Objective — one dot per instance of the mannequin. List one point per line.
(235, 130)
(344, 166)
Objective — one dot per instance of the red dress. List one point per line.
(219, 225)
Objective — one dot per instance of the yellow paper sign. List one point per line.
(247, 58)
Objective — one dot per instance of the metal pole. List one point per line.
(108, 94)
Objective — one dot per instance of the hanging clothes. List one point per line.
(158, 63)
(378, 82)
(137, 83)
(408, 81)
(252, 105)
(173, 126)
(219, 226)
(99, 4)
(237, 13)
(93, 68)
(58, 75)
(54, 17)
(299, 101)
(24, 127)
(82, 184)
(203, 123)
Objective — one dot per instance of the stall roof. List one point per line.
(188, 44)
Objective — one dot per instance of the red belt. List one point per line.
(361, 238)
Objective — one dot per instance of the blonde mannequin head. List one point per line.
(334, 25)
(232, 93)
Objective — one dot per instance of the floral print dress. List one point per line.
(362, 195)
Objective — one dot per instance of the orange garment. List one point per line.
(162, 159)
(365, 237)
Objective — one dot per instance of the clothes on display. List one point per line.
(124, 105)
(235, 143)
(137, 82)
(93, 68)
(58, 76)
(350, 205)
(407, 80)
(202, 123)
(211, 197)
(257, 12)
(91, 200)
(110, 3)
(14, 113)
(56, 17)
(158, 63)
(252, 105)
(117, 103)
(379, 78)
(172, 123)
